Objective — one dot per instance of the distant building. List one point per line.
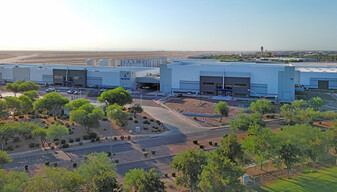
(238, 79)
(77, 76)
(144, 62)
(261, 50)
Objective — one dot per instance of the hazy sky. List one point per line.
(223, 25)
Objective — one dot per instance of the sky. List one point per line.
(172, 25)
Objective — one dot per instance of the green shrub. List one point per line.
(47, 163)
(10, 148)
(37, 145)
(17, 146)
(92, 135)
(210, 142)
(63, 141)
(201, 146)
(116, 161)
(153, 152)
(104, 119)
(195, 141)
(52, 147)
(92, 140)
(216, 144)
(195, 118)
(98, 138)
(74, 165)
(146, 122)
(136, 121)
(54, 164)
(143, 149)
(86, 137)
(166, 175)
(151, 120)
(66, 145)
(77, 139)
(173, 174)
(56, 143)
(144, 117)
(71, 140)
(67, 125)
(122, 137)
(146, 154)
(16, 139)
(129, 137)
(130, 118)
(56, 139)
(31, 145)
(115, 138)
(109, 154)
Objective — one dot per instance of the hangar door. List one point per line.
(189, 85)
(323, 84)
(94, 81)
(261, 89)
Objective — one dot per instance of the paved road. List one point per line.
(79, 152)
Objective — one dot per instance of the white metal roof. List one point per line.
(74, 67)
(317, 69)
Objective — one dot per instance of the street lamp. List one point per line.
(111, 129)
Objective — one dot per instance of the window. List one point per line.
(208, 83)
(240, 85)
(219, 85)
(58, 77)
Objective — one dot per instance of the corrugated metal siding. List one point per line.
(94, 81)
(189, 85)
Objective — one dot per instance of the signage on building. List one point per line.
(125, 76)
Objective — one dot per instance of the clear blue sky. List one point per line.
(224, 25)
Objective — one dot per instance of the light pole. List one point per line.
(111, 130)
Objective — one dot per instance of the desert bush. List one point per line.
(92, 135)
(136, 121)
(195, 141)
(146, 154)
(71, 140)
(115, 138)
(77, 139)
(31, 145)
(74, 165)
(47, 163)
(66, 145)
(63, 141)
(173, 174)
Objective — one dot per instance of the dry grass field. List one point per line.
(80, 57)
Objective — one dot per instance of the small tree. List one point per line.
(220, 174)
(118, 95)
(289, 154)
(4, 157)
(14, 87)
(32, 94)
(222, 109)
(141, 181)
(190, 164)
(13, 104)
(26, 104)
(116, 113)
(75, 104)
(316, 102)
(3, 109)
(262, 106)
(20, 86)
(244, 122)
(51, 102)
(57, 131)
(41, 133)
(88, 116)
(137, 108)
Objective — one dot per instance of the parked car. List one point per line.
(102, 90)
(71, 91)
(179, 95)
(49, 90)
(77, 92)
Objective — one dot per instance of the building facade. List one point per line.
(76, 76)
(238, 79)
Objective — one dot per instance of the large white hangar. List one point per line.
(77, 76)
(317, 77)
(238, 79)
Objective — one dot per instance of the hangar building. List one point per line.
(238, 79)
